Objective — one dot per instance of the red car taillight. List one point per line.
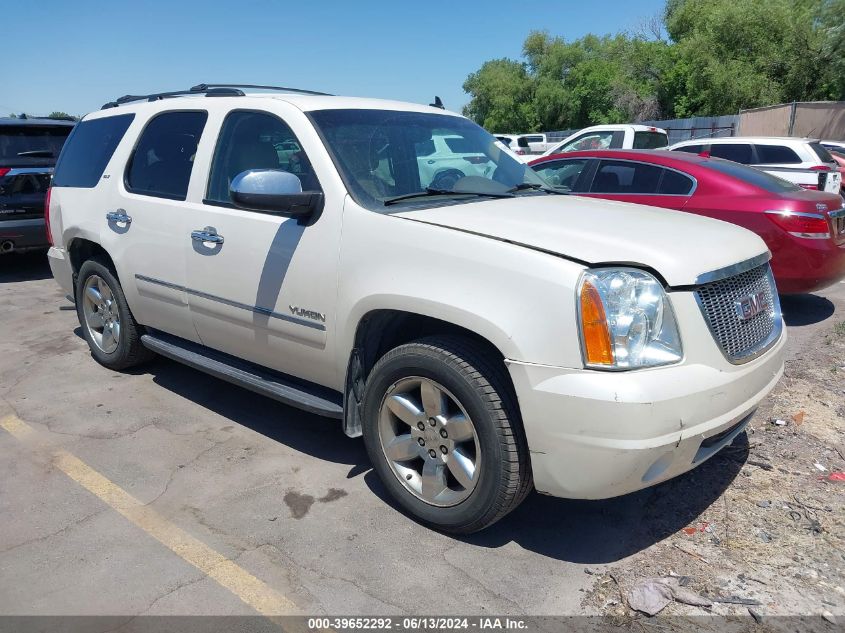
(4, 171)
(47, 216)
(812, 226)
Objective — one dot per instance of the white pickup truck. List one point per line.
(485, 336)
(611, 136)
(803, 161)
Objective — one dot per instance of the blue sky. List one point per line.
(75, 55)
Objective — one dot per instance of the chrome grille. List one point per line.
(720, 301)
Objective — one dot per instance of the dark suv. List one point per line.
(28, 152)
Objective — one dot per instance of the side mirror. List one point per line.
(273, 191)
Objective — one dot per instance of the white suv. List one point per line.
(483, 338)
(803, 161)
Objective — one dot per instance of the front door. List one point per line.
(262, 287)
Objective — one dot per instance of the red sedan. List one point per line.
(804, 230)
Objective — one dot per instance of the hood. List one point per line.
(680, 246)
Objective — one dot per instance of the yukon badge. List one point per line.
(821, 206)
(308, 314)
(752, 305)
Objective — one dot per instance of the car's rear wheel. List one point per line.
(108, 326)
(442, 429)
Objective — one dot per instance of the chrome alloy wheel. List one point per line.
(429, 441)
(101, 314)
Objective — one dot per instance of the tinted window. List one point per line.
(755, 177)
(25, 144)
(534, 139)
(776, 154)
(649, 140)
(737, 152)
(689, 149)
(562, 173)
(89, 149)
(821, 152)
(675, 183)
(255, 140)
(626, 177)
(164, 156)
(460, 145)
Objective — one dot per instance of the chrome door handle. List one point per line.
(208, 234)
(118, 217)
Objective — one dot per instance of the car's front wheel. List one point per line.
(107, 323)
(442, 429)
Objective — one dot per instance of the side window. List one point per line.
(624, 177)
(591, 140)
(256, 140)
(689, 149)
(162, 161)
(675, 183)
(737, 152)
(88, 150)
(562, 173)
(777, 154)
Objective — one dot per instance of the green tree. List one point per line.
(62, 115)
(502, 97)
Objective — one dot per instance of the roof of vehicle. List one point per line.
(32, 121)
(622, 126)
(304, 102)
(747, 139)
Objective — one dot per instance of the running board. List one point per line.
(308, 397)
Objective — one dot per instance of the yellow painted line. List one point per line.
(15, 426)
(240, 582)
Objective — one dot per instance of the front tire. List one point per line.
(443, 432)
(108, 326)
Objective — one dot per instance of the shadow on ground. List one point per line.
(805, 309)
(30, 266)
(589, 532)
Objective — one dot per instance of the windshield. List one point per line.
(385, 155)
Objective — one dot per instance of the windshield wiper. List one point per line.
(445, 192)
(536, 187)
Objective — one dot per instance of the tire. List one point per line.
(115, 348)
(471, 385)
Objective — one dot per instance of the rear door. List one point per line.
(143, 220)
(641, 183)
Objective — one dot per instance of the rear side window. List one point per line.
(162, 161)
(89, 149)
(649, 140)
(460, 145)
(822, 153)
(777, 154)
(737, 152)
(675, 183)
(624, 177)
(689, 149)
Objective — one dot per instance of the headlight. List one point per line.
(626, 320)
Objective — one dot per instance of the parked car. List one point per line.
(803, 161)
(804, 230)
(483, 340)
(838, 146)
(515, 143)
(443, 160)
(611, 137)
(28, 151)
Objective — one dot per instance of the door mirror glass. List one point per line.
(273, 191)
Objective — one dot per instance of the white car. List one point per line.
(611, 137)
(485, 340)
(803, 161)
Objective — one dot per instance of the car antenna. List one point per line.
(437, 103)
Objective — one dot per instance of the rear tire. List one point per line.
(442, 428)
(108, 326)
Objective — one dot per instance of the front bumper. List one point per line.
(595, 435)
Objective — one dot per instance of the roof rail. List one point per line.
(209, 90)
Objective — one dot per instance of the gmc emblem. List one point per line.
(752, 305)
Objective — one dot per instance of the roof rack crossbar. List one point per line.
(205, 87)
(210, 90)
